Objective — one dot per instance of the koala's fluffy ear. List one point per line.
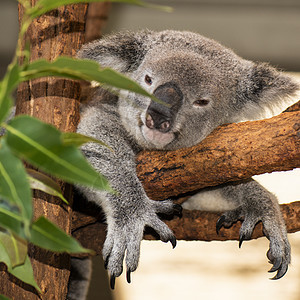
(264, 91)
(122, 51)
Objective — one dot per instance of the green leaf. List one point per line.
(42, 182)
(77, 139)
(44, 6)
(41, 145)
(43, 233)
(4, 257)
(7, 85)
(11, 79)
(48, 236)
(82, 69)
(11, 220)
(5, 106)
(15, 247)
(14, 186)
(25, 273)
(4, 298)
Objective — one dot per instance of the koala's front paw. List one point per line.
(126, 233)
(279, 253)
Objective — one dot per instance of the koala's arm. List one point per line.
(252, 203)
(129, 210)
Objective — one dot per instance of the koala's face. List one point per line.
(192, 95)
(201, 83)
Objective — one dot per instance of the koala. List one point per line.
(201, 85)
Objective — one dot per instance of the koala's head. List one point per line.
(200, 83)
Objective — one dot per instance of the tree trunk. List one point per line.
(55, 101)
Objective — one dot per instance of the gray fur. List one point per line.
(81, 271)
(185, 67)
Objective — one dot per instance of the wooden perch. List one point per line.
(232, 152)
(193, 225)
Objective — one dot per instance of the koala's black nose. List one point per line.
(161, 116)
(160, 124)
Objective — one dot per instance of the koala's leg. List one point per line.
(127, 215)
(129, 210)
(81, 270)
(250, 202)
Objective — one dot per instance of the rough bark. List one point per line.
(193, 225)
(55, 101)
(232, 152)
(294, 107)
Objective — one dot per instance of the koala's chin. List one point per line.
(158, 139)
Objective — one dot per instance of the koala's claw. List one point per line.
(220, 223)
(177, 210)
(281, 272)
(112, 281)
(173, 241)
(128, 277)
(242, 238)
(276, 265)
(279, 264)
(279, 251)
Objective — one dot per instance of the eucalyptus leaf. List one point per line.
(11, 221)
(4, 257)
(42, 182)
(7, 85)
(77, 139)
(42, 145)
(5, 106)
(14, 186)
(82, 69)
(24, 272)
(16, 248)
(4, 298)
(44, 6)
(48, 236)
(43, 233)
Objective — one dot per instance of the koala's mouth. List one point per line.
(157, 138)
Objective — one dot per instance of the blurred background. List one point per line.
(260, 30)
(263, 30)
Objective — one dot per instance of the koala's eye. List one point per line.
(148, 80)
(200, 102)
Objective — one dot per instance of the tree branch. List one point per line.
(193, 225)
(232, 152)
